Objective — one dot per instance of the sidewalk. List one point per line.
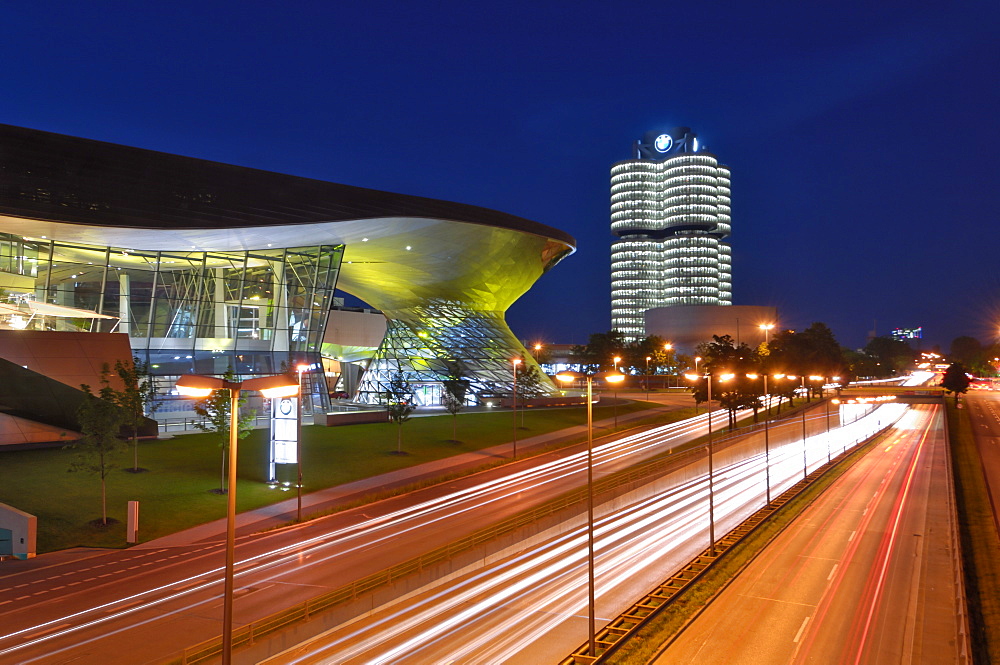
(324, 500)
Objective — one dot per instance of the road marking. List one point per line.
(798, 635)
(43, 632)
(23, 597)
(851, 537)
(832, 571)
(56, 588)
(5, 602)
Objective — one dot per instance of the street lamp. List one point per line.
(515, 362)
(193, 385)
(298, 444)
(647, 377)
(668, 347)
(537, 348)
(767, 328)
(568, 377)
(767, 442)
(711, 470)
(805, 462)
(615, 403)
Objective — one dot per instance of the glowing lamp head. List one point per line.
(301, 368)
(614, 377)
(280, 391)
(692, 377)
(815, 378)
(752, 377)
(726, 377)
(193, 385)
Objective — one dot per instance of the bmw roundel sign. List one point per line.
(663, 143)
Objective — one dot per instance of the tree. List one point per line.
(890, 355)
(456, 387)
(137, 398)
(722, 356)
(399, 403)
(100, 424)
(599, 351)
(955, 380)
(529, 384)
(215, 409)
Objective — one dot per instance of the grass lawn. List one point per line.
(980, 541)
(175, 495)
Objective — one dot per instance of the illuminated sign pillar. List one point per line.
(284, 433)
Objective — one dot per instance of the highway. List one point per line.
(866, 575)
(531, 607)
(149, 604)
(156, 602)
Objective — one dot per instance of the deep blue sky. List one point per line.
(862, 136)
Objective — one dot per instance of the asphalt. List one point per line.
(330, 499)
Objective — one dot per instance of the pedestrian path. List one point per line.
(328, 499)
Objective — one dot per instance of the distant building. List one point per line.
(903, 334)
(670, 209)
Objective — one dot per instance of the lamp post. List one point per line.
(615, 404)
(647, 378)
(697, 359)
(194, 385)
(711, 469)
(805, 463)
(298, 445)
(515, 362)
(767, 328)
(767, 443)
(567, 377)
(668, 347)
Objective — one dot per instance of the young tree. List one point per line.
(137, 398)
(529, 384)
(399, 401)
(456, 387)
(955, 380)
(215, 409)
(100, 423)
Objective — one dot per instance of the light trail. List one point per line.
(516, 602)
(328, 546)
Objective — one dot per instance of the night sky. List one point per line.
(862, 136)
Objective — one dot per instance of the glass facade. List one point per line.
(671, 215)
(447, 339)
(186, 312)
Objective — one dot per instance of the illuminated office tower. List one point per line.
(670, 211)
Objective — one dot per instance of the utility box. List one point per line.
(18, 532)
(133, 522)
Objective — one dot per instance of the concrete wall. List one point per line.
(24, 528)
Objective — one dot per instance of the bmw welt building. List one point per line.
(207, 266)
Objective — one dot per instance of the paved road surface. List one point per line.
(865, 576)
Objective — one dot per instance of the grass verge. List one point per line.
(980, 541)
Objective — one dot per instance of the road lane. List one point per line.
(865, 575)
